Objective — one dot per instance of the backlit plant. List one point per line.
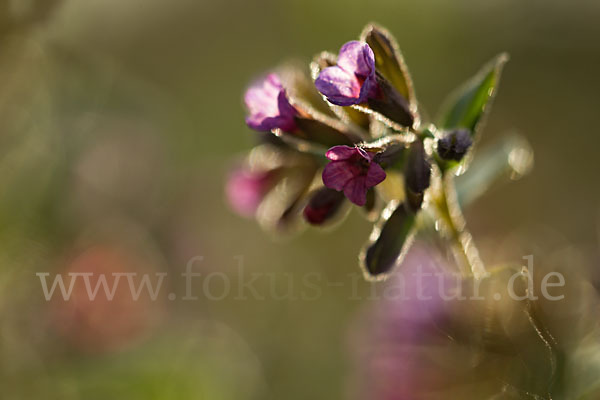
(354, 135)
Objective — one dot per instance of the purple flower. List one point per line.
(352, 80)
(269, 107)
(246, 189)
(352, 170)
(401, 344)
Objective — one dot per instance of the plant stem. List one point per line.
(464, 249)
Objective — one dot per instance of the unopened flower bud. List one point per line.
(418, 170)
(454, 145)
(417, 176)
(323, 205)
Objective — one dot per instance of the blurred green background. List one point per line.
(120, 119)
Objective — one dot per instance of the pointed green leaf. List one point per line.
(466, 107)
(389, 241)
(511, 158)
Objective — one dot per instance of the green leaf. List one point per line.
(389, 241)
(510, 158)
(389, 61)
(466, 107)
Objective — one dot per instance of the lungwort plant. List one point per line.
(354, 136)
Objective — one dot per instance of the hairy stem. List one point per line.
(464, 249)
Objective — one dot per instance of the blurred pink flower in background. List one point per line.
(435, 336)
(99, 324)
(245, 189)
(392, 344)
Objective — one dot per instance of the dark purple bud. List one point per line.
(418, 169)
(454, 145)
(417, 174)
(323, 205)
(387, 250)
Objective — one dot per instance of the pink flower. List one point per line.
(352, 170)
(352, 80)
(269, 107)
(246, 189)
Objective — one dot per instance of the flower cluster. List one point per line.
(353, 135)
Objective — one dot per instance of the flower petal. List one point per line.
(287, 113)
(375, 175)
(339, 86)
(268, 106)
(358, 58)
(369, 89)
(262, 95)
(336, 175)
(338, 153)
(356, 190)
(262, 122)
